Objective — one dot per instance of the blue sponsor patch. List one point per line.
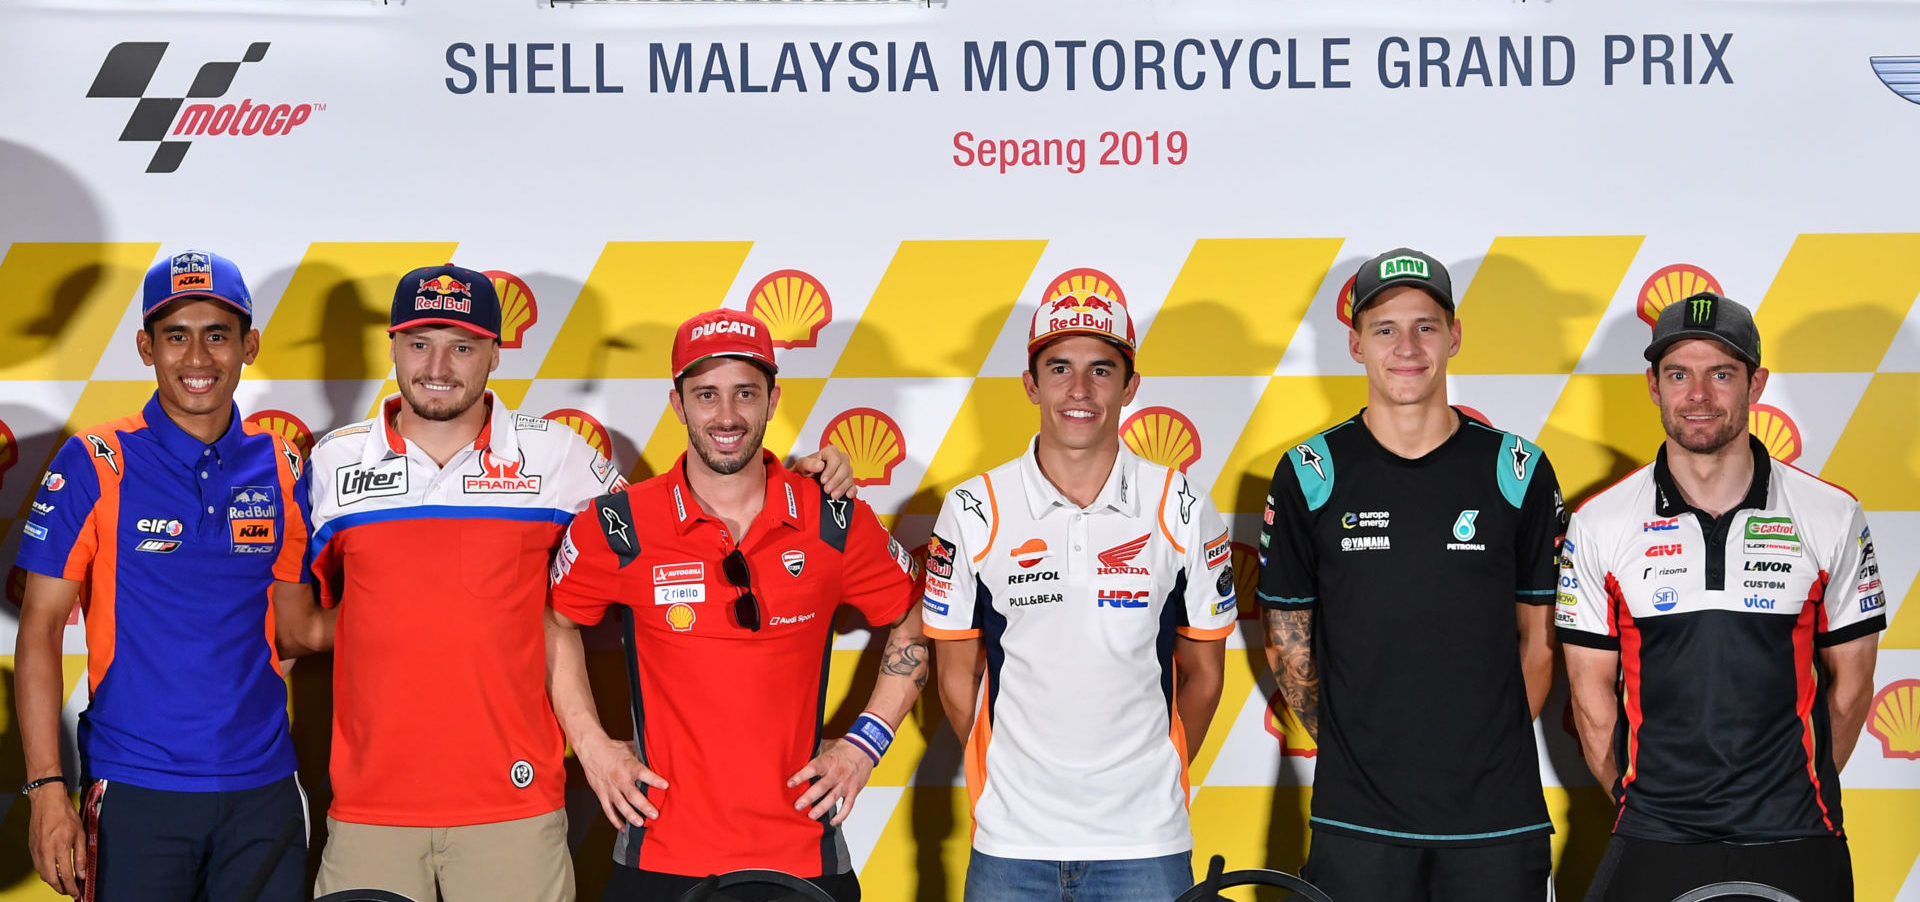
(1223, 605)
(1874, 602)
(35, 531)
(938, 607)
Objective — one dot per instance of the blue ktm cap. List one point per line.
(194, 274)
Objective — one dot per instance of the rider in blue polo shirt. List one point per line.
(178, 530)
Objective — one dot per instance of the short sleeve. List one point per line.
(1583, 608)
(1856, 602)
(587, 473)
(950, 596)
(1209, 605)
(585, 575)
(293, 565)
(61, 534)
(1288, 563)
(1543, 521)
(877, 574)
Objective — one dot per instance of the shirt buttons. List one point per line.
(207, 453)
(203, 474)
(209, 510)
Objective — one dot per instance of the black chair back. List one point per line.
(1209, 889)
(705, 889)
(1736, 889)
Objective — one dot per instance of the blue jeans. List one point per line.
(991, 879)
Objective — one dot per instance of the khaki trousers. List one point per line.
(523, 860)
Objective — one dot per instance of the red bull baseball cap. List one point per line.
(446, 295)
(1083, 311)
(194, 274)
(722, 333)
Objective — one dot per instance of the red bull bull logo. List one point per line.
(444, 284)
(439, 293)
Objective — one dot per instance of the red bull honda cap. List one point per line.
(446, 295)
(1082, 311)
(722, 333)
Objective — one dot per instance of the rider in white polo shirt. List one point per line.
(1081, 598)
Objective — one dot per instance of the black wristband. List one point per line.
(36, 784)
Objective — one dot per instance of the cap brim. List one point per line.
(1041, 341)
(441, 321)
(1658, 349)
(763, 362)
(190, 295)
(1439, 297)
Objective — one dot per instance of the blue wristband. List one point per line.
(871, 735)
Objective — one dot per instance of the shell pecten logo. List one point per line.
(1775, 430)
(1672, 283)
(794, 305)
(287, 426)
(1162, 435)
(518, 311)
(582, 422)
(1344, 307)
(9, 451)
(872, 441)
(1895, 719)
(1083, 283)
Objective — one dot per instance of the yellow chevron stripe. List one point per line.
(1837, 301)
(1534, 303)
(639, 292)
(1881, 833)
(1903, 631)
(1292, 408)
(1602, 428)
(921, 854)
(63, 303)
(1878, 455)
(1235, 306)
(938, 308)
(331, 323)
(993, 426)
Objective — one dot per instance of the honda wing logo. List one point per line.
(128, 71)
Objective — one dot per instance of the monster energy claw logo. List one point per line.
(1397, 267)
(1700, 309)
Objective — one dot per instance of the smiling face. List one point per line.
(197, 349)
(726, 403)
(1081, 383)
(442, 370)
(1404, 339)
(1704, 393)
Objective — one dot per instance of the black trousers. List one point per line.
(1816, 869)
(1349, 867)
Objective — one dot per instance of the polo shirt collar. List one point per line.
(781, 505)
(1121, 492)
(1668, 501)
(497, 434)
(183, 446)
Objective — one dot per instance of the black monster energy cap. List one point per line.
(1707, 315)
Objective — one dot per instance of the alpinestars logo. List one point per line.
(127, 72)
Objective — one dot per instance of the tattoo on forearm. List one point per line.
(1290, 635)
(906, 656)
